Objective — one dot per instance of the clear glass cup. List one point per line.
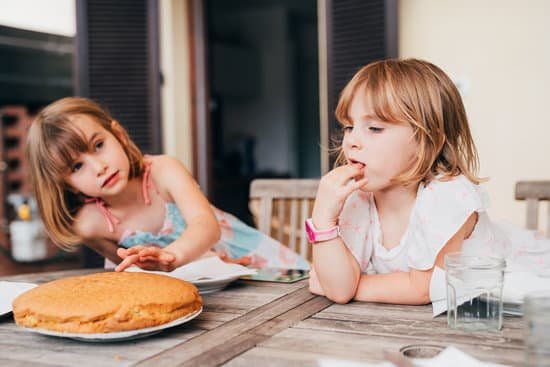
(536, 310)
(474, 291)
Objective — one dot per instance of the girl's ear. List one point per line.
(119, 132)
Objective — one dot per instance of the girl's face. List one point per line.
(386, 149)
(102, 170)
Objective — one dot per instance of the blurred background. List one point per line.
(242, 89)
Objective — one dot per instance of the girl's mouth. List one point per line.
(111, 180)
(354, 162)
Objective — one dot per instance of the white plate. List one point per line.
(10, 291)
(207, 285)
(118, 335)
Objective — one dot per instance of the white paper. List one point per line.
(208, 268)
(518, 284)
(453, 357)
(10, 291)
(331, 362)
(449, 357)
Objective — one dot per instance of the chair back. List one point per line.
(280, 207)
(534, 192)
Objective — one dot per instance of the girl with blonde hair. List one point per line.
(405, 191)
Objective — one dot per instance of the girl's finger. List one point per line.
(150, 251)
(360, 183)
(127, 262)
(148, 258)
(122, 253)
(167, 257)
(133, 250)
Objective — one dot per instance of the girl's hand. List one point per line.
(314, 285)
(334, 188)
(147, 258)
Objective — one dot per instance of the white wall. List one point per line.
(500, 51)
(48, 16)
(175, 91)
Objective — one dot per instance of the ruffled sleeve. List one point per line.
(354, 223)
(442, 207)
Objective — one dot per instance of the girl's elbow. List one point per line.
(340, 297)
(425, 298)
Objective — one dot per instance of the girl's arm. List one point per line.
(337, 272)
(413, 287)
(202, 230)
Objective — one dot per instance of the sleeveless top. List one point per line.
(237, 238)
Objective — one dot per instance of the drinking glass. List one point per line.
(474, 291)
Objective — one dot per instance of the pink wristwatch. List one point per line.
(315, 236)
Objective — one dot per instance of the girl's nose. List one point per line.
(99, 166)
(352, 141)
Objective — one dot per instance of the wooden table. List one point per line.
(264, 324)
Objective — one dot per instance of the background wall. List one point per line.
(176, 93)
(498, 52)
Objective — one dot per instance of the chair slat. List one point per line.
(281, 219)
(293, 197)
(293, 224)
(304, 214)
(532, 213)
(265, 215)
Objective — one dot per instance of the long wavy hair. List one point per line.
(52, 142)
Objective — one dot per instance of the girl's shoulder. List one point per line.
(168, 175)
(163, 166)
(454, 192)
(443, 206)
(89, 222)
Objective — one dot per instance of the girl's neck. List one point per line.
(130, 196)
(395, 199)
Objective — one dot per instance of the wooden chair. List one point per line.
(534, 192)
(280, 207)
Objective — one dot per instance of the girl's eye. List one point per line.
(375, 129)
(347, 128)
(98, 145)
(77, 166)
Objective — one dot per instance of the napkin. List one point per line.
(9, 291)
(208, 268)
(449, 357)
(453, 357)
(516, 285)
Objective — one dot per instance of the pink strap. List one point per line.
(109, 217)
(147, 183)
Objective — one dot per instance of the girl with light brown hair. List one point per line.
(93, 186)
(405, 190)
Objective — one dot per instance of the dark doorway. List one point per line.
(264, 95)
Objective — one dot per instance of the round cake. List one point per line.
(106, 302)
